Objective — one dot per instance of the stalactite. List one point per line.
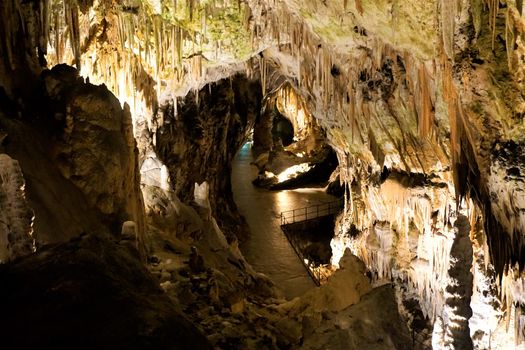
(44, 26)
(448, 14)
(191, 8)
(196, 94)
(146, 37)
(175, 108)
(198, 66)
(4, 40)
(71, 12)
(156, 39)
(450, 96)
(510, 37)
(477, 12)
(493, 13)
(264, 72)
(249, 68)
(58, 43)
(121, 30)
(173, 49)
(359, 7)
(425, 103)
(352, 109)
(178, 45)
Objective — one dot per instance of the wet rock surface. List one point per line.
(320, 165)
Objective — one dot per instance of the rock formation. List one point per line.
(17, 217)
(421, 101)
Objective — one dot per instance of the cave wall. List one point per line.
(77, 157)
(199, 137)
(443, 108)
(284, 102)
(95, 147)
(22, 46)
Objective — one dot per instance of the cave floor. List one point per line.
(267, 249)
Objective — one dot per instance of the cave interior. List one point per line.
(379, 147)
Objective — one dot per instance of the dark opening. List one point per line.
(282, 130)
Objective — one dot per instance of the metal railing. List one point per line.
(304, 214)
(292, 239)
(311, 212)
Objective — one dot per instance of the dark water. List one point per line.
(268, 250)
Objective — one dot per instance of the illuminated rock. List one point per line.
(16, 217)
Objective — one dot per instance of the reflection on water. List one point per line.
(268, 249)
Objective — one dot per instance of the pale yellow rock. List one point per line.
(342, 289)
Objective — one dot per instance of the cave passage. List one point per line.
(267, 249)
(282, 130)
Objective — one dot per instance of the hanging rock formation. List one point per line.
(421, 100)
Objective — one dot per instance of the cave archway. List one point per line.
(283, 130)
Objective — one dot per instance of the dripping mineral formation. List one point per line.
(119, 126)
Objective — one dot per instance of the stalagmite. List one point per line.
(457, 311)
(16, 217)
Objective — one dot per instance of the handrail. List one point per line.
(311, 212)
(303, 214)
(293, 242)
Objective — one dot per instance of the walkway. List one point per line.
(308, 225)
(268, 250)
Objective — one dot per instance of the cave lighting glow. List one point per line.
(293, 171)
